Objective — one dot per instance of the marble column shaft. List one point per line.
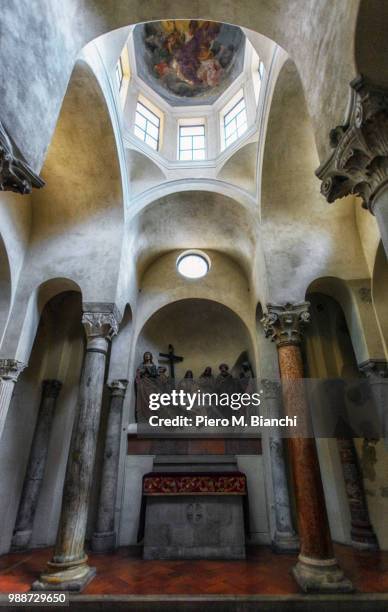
(285, 540)
(104, 538)
(68, 569)
(317, 569)
(36, 465)
(9, 373)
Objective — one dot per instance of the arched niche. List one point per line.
(57, 353)
(35, 305)
(5, 287)
(380, 293)
(371, 41)
(204, 332)
(354, 297)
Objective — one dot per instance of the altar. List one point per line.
(194, 508)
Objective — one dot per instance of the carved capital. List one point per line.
(11, 368)
(359, 162)
(118, 388)
(284, 323)
(15, 173)
(51, 388)
(100, 325)
(374, 369)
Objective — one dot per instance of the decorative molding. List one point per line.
(359, 162)
(100, 325)
(15, 174)
(374, 369)
(283, 323)
(51, 388)
(10, 369)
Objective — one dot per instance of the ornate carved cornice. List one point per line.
(359, 162)
(11, 368)
(283, 323)
(51, 388)
(15, 173)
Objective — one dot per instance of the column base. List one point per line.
(65, 577)
(103, 542)
(284, 543)
(21, 540)
(320, 576)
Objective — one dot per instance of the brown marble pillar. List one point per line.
(317, 569)
(69, 570)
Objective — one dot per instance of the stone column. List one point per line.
(285, 539)
(9, 373)
(69, 569)
(36, 465)
(104, 538)
(359, 161)
(376, 371)
(316, 569)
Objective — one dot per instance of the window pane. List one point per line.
(152, 131)
(139, 133)
(199, 142)
(140, 121)
(185, 155)
(147, 126)
(151, 142)
(242, 129)
(148, 114)
(241, 118)
(185, 143)
(200, 154)
(229, 129)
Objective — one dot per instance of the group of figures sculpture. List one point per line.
(151, 378)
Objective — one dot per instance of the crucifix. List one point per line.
(172, 359)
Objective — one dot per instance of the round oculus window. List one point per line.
(193, 264)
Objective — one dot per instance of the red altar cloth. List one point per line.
(196, 483)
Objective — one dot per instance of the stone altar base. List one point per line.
(193, 510)
(194, 527)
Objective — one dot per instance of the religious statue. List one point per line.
(206, 380)
(246, 378)
(225, 383)
(187, 383)
(146, 382)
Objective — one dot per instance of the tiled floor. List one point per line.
(262, 573)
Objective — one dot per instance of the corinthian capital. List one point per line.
(11, 368)
(15, 173)
(359, 161)
(283, 323)
(100, 321)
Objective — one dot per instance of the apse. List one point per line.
(205, 333)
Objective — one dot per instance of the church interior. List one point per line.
(194, 195)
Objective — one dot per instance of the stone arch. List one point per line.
(5, 287)
(356, 304)
(380, 293)
(200, 312)
(38, 299)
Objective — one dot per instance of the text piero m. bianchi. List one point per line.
(212, 410)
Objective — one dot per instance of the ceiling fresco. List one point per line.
(188, 62)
